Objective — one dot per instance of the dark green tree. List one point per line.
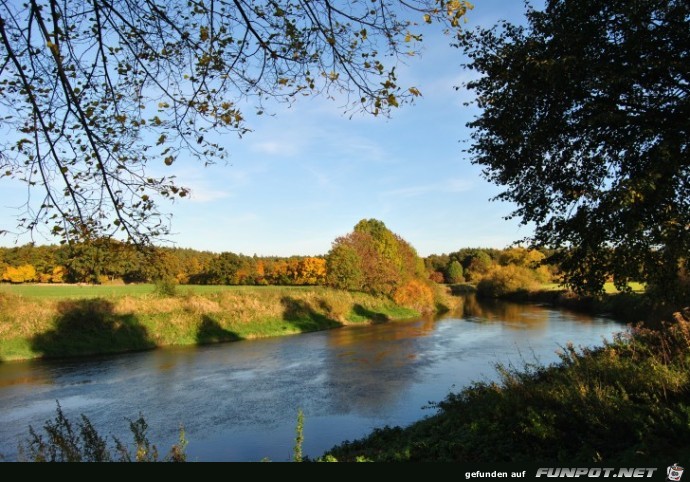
(94, 91)
(223, 270)
(436, 262)
(478, 264)
(455, 272)
(343, 268)
(585, 120)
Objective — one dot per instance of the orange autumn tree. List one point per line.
(20, 274)
(311, 271)
(375, 260)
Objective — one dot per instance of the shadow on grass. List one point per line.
(370, 315)
(89, 327)
(210, 331)
(303, 316)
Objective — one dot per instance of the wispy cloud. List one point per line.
(284, 146)
(212, 183)
(203, 194)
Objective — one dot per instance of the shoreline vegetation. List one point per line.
(72, 321)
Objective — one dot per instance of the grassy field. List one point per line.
(39, 321)
(111, 291)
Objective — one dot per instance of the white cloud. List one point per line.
(284, 146)
(201, 194)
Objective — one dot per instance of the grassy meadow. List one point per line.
(35, 290)
(39, 321)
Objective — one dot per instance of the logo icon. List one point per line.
(674, 472)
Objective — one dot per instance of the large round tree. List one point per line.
(585, 121)
(372, 259)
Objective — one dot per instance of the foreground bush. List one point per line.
(65, 441)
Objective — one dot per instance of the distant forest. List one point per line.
(112, 262)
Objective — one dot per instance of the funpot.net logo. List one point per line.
(596, 472)
(674, 472)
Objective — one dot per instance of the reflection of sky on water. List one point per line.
(239, 401)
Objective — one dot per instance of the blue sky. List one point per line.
(309, 173)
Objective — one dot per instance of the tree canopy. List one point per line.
(93, 92)
(372, 259)
(585, 120)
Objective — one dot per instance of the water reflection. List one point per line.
(514, 315)
(238, 401)
(369, 367)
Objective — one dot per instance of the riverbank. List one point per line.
(80, 325)
(629, 307)
(624, 402)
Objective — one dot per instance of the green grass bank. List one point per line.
(62, 321)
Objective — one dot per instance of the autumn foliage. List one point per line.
(20, 274)
(112, 262)
(415, 294)
(373, 259)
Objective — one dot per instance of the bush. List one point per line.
(166, 287)
(507, 280)
(415, 294)
(437, 277)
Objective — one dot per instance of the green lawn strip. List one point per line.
(144, 289)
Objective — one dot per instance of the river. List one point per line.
(239, 401)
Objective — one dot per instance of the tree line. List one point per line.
(371, 259)
(108, 261)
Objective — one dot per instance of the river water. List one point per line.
(239, 401)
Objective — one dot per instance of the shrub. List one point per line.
(166, 286)
(437, 277)
(507, 280)
(415, 294)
